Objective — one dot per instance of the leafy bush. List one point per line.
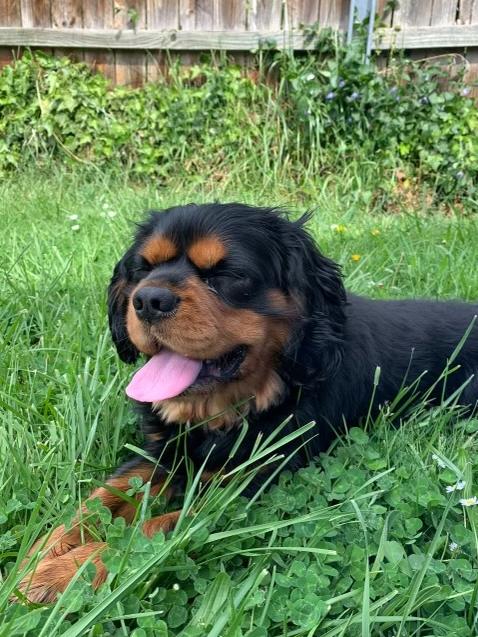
(297, 113)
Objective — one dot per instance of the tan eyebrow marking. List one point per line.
(207, 252)
(158, 248)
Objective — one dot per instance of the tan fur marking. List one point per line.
(164, 523)
(158, 249)
(61, 540)
(52, 576)
(207, 252)
(205, 327)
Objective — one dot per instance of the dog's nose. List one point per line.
(152, 304)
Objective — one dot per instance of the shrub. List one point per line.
(326, 106)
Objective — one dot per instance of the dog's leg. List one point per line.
(64, 549)
(62, 540)
(53, 574)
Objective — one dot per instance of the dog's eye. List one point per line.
(139, 267)
(233, 288)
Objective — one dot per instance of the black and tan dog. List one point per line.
(240, 315)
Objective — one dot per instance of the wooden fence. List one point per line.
(127, 39)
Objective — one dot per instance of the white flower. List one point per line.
(469, 502)
(75, 227)
(439, 461)
(72, 217)
(459, 486)
(176, 587)
(453, 546)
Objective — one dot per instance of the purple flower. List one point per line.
(330, 96)
(393, 90)
(341, 83)
(354, 96)
(466, 91)
(460, 174)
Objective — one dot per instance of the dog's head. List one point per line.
(223, 298)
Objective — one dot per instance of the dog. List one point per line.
(240, 317)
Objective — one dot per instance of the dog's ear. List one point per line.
(117, 306)
(316, 282)
(309, 273)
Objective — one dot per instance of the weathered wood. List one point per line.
(206, 15)
(297, 12)
(66, 14)
(334, 14)
(143, 39)
(264, 15)
(10, 13)
(427, 37)
(468, 12)
(410, 38)
(443, 12)
(130, 65)
(164, 14)
(41, 13)
(186, 14)
(384, 13)
(231, 16)
(10, 16)
(413, 13)
(26, 11)
(98, 14)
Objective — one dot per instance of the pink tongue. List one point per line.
(165, 375)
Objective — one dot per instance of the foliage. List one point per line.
(367, 533)
(292, 114)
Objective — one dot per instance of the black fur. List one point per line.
(331, 359)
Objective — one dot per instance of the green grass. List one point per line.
(356, 544)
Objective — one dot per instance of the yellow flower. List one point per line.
(338, 227)
(375, 232)
(356, 257)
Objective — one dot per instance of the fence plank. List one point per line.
(67, 14)
(334, 13)
(264, 15)
(164, 14)
(128, 39)
(206, 15)
(468, 12)
(384, 18)
(427, 37)
(297, 12)
(443, 12)
(410, 38)
(130, 66)
(10, 16)
(413, 13)
(187, 14)
(36, 13)
(98, 14)
(231, 16)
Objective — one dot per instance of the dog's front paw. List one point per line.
(60, 541)
(53, 574)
